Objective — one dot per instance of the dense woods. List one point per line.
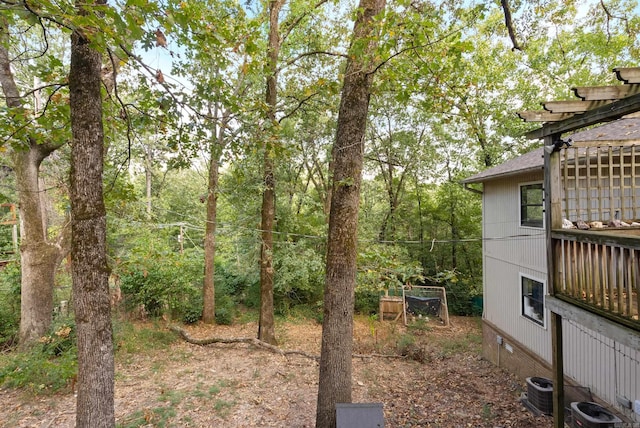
(191, 160)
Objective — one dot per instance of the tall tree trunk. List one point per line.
(39, 256)
(423, 257)
(208, 290)
(348, 154)
(266, 325)
(95, 401)
(148, 162)
(453, 223)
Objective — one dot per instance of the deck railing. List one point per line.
(599, 271)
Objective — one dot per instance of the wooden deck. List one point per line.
(599, 270)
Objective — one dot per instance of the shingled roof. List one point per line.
(624, 129)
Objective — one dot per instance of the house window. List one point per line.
(531, 205)
(532, 299)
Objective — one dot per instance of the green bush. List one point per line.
(9, 304)
(462, 293)
(367, 302)
(299, 279)
(225, 309)
(134, 339)
(460, 297)
(192, 311)
(233, 283)
(166, 284)
(251, 297)
(48, 366)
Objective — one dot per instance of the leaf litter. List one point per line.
(442, 381)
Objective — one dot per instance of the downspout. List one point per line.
(471, 189)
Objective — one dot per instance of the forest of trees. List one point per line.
(186, 159)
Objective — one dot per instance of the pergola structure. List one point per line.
(594, 277)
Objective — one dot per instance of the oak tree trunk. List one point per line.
(95, 383)
(348, 156)
(39, 257)
(208, 290)
(266, 325)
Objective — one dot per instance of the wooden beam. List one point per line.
(557, 370)
(628, 74)
(541, 116)
(572, 106)
(603, 326)
(553, 218)
(597, 93)
(605, 113)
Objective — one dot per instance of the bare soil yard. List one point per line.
(443, 382)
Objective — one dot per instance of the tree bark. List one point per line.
(148, 162)
(208, 290)
(266, 325)
(95, 400)
(348, 156)
(39, 256)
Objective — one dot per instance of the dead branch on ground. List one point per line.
(260, 344)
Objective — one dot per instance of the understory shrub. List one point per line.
(170, 284)
(225, 309)
(9, 304)
(299, 279)
(49, 365)
(367, 301)
(130, 338)
(462, 293)
(460, 297)
(383, 268)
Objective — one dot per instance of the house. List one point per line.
(589, 280)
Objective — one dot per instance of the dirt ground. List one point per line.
(443, 382)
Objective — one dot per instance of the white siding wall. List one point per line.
(591, 359)
(511, 250)
(628, 376)
(606, 367)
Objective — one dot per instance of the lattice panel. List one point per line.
(600, 183)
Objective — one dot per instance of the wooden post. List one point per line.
(15, 239)
(558, 370)
(553, 220)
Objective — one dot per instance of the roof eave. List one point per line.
(485, 178)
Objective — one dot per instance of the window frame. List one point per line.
(526, 222)
(542, 322)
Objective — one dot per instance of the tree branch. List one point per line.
(289, 27)
(260, 344)
(298, 107)
(304, 54)
(509, 24)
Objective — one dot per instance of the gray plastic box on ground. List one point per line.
(359, 415)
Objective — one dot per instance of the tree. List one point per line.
(217, 144)
(266, 324)
(40, 255)
(90, 273)
(348, 157)
(298, 15)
